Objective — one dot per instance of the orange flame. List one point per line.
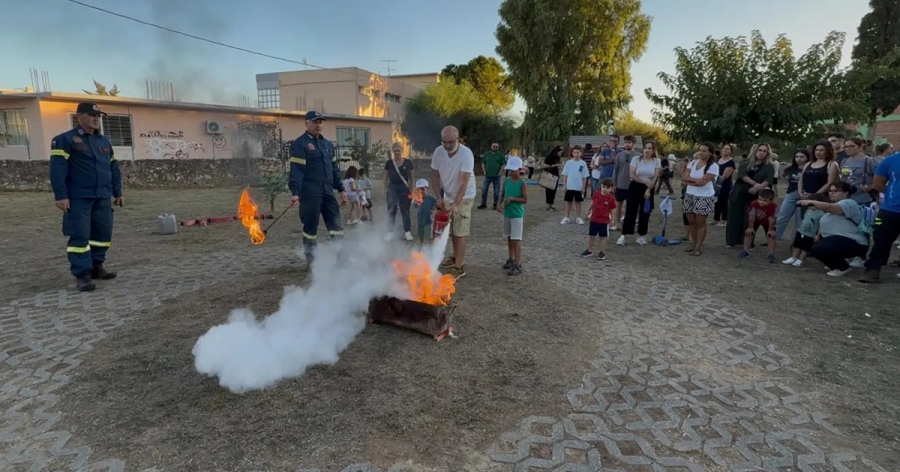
(425, 284)
(248, 211)
(416, 195)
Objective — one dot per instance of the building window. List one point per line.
(117, 128)
(392, 98)
(269, 99)
(13, 127)
(367, 91)
(350, 136)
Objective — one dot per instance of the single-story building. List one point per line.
(175, 139)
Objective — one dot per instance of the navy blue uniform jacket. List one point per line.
(83, 165)
(314, 169)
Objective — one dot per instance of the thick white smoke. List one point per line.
(312, 325)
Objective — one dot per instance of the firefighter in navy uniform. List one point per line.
(86, 184)
(314, 178)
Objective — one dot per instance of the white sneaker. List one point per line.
(641, 241)
(579, 221)
(797, 263)
(622, 219)
(857, 262)
(408, 236)
(838, 273)
(789, 261)
(620, 241)
(564, 221)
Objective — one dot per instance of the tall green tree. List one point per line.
(878, 44)
(739, 91)
(571, 60)
(459, 104)
(488, 77)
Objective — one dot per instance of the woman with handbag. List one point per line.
(752, 176)
(398, 173)
(550, 175)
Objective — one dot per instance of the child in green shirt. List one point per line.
(513, 197)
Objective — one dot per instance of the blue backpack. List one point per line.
(869, 212)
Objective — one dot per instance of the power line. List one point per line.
(210, 41)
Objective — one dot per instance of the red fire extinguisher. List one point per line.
(441, 220)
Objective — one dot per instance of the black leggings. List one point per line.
(885, 232)
(833, 251)
(551, 196)
(634, 210)
(721, 209)
(530, 172)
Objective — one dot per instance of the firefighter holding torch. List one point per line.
(314, 178)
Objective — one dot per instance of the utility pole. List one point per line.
(388, 61)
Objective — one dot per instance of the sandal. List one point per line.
(696, 253)
(894, 263)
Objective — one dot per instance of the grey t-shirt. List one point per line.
(844, 225)
(858, 172)
(622, 172)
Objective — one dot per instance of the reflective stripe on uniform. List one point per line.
(335, 233)
(78, 250)
(112, 159)
(309, 236)
(99, 244)
(298, 160)
(59, 152)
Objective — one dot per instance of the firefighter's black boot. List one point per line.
(99, 273)
(85, 284)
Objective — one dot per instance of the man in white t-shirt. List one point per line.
(454, 184)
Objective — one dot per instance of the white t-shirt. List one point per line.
(595, 161)
(708, 190)
(575, 170)
(449, 169)
(644, 169)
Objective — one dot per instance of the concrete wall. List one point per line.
(170, 147)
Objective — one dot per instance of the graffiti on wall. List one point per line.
(170, 145)
(219, 141)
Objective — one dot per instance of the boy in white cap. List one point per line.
(513, 197)
(426, 210)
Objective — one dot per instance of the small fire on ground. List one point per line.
(424, 284)
(248, 212)
(417, 195)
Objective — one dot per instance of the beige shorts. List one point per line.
(462, 221)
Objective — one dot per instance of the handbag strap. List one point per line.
(399, 174)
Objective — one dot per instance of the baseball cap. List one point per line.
(514, 163)
(89, 108)
(422, 183)
(314, 115)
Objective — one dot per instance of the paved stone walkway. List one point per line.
(681, 383)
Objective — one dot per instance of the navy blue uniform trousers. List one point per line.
(310, 209)
(88, 223)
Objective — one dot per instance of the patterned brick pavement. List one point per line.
(682, 382)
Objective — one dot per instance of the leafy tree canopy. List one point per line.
(489, 79)
(570, 60)
(459, 104)
(879, 46)
(739, 91)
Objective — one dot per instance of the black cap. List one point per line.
(314, 115)
(89, 108)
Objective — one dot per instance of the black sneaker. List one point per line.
(601, 256)
(508, 265)
(515, 270)
(85, 284)
(99, 273)
(871, 277)
(482, 207)
(587, 253)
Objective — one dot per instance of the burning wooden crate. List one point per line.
(433, 320)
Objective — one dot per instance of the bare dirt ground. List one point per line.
(394, 394)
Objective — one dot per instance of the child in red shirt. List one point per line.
(602, 204)
(761, 215)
